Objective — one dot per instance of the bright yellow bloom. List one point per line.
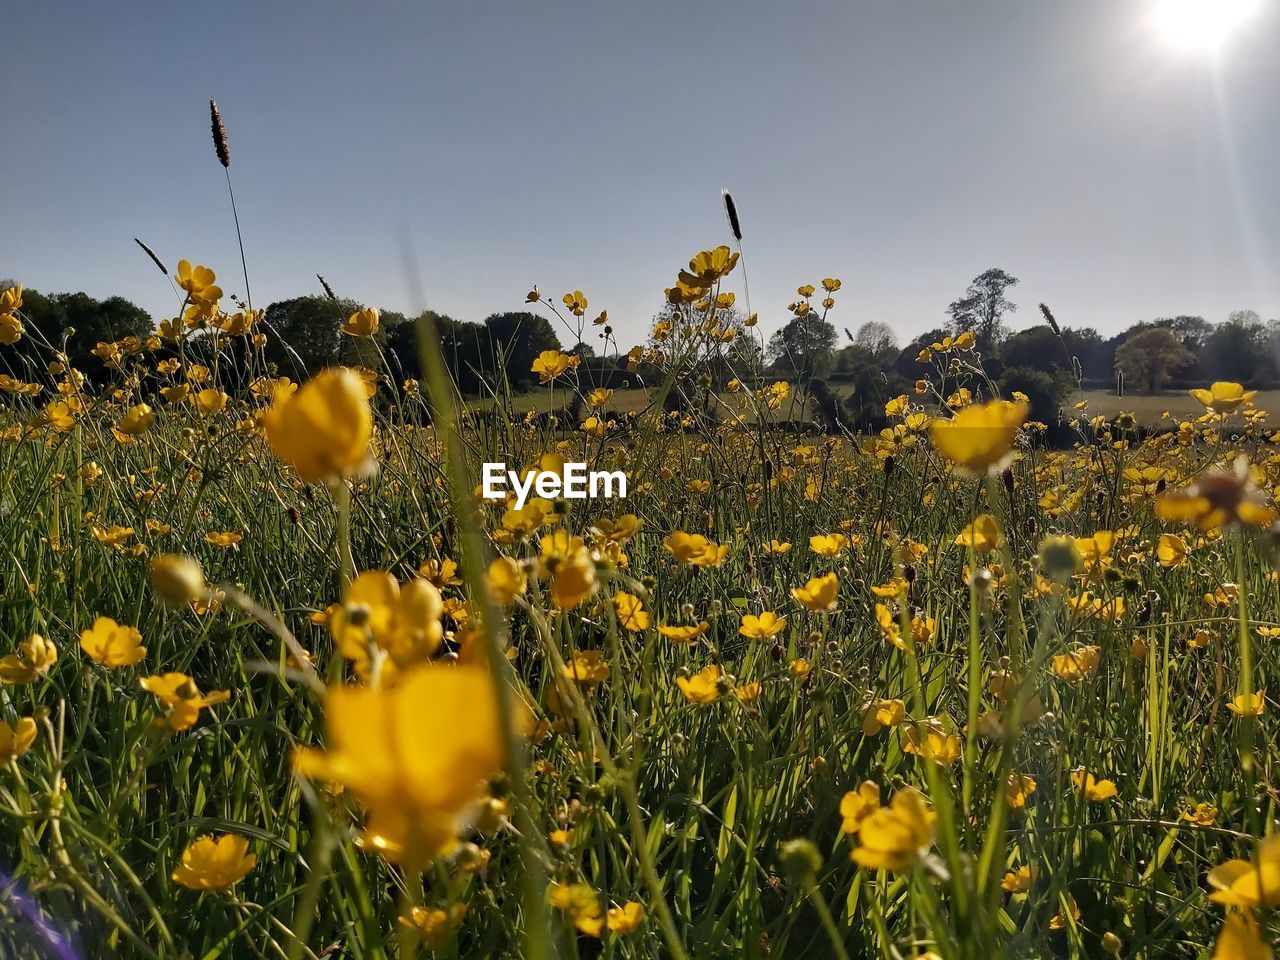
(703, 687)
(829, 544)
(1202, 814)
(893, 837)
(1224, 396)
(857, 805)
(682, 634)
(1094, 790)
(11, 299)
(570, 567)
(587, 666)
(930, 741)
(35, 657)
(631, 612)
(1240, 939)
(767, 624)
(382, 620)
(136, 420)
(708, 267)
(215, 863)
(880, 714)
(1249, 884)
(111, 644)
(1172, 550)
(626, 918)
(1077, 664)
(1248, 704)
(322, 430)
(506, 580)
(981, 436)
(983, 535)
(1219, 498)
(550, 364)
(434, 924)
(17, 739)
(819, 594)
(362, 323)
(179, 693)
(1017, 788)
(418, 790)
(694, 549)
(1018, 881)
(223, 538)
(211, 400)
(199, 282)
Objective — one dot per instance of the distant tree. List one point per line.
(306, 337)
(1191, 330)
(582, 350)
(983, 306)
(1235, 350)
(804, 347)
(878, 340)
(1046, 390)
(1037, 349)
(84, 322)
(907, 366)
(464, 347)
(1096, 356)
(515, 340)
(1150, 357)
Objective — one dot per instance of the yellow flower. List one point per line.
(1218, 498)
(1172, 550)
(581, 903)
(1248, 704)
(177, 393)
(981, 436)
(111, 644)
(179, 693)
(929, 740)
(857, 805)
(983, 535)
(380, 618)
(1095, 791)
(136, 420)
(599, 397)
(112, 536)
(681, 634)
(829, 544)
(1018, 881)
(1017, 788)
(211, 400)
(694, 549)
(626, 918)
(568, 563)
(1077, 664)
(17, 739)
(631, 613)
(1203, 814)
(215, 863)
(322, 430)
(1246, 884)
(550, 364)
(767, 624)
(747, 692)
(778, 547)
(223, 538)
(11, 299)
(587, 666)
(1240, 939)
(11, 329)
(576, 302)
(418, 790)
(177, 579)
(362, 323)
(1059, 920)
(1224, 396)
(35, 657)
(880, 714)
(506, 580)
(434, 924)
(198, 281)
(819, 594)
(893, 837)
(703, 687)
(708, 267)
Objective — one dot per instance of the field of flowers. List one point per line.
(278, 683)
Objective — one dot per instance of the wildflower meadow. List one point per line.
(279, 682)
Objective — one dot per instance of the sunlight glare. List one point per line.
(1202, 25)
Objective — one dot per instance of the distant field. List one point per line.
(1148, 408)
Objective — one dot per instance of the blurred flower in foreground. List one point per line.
(416, 756)
(322, 430)
(1218, 498)
(979, 437)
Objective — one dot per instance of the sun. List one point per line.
(1202, 25)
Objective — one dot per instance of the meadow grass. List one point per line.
(1006, 706)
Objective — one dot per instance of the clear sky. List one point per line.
(901, 145)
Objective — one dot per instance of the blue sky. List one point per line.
(901, 145)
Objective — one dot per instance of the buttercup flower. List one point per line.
(323, 430)
(215, 863)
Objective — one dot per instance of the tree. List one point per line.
(1192, 331)
(1235, 350)
(803, 347)
(1046, 390)
(515, 340)
(85, 322)
(983, 306)
(1037, 349)
(878, 340)
(1150, 357)
(305, 333)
